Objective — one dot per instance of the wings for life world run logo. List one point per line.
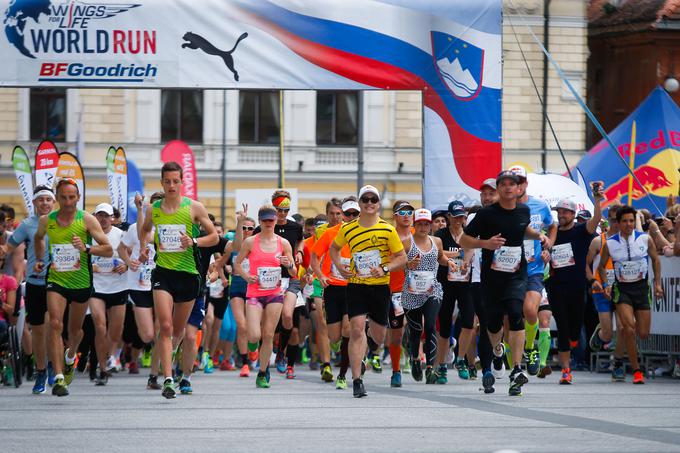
(73, 28)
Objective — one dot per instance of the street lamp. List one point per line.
(671, 84)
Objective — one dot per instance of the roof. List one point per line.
(633, 15)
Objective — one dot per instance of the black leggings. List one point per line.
(484, 349)
(130, 331)
(414, 317)
(568, 306)
(456, 292)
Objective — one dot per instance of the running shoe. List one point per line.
(254, 355)
(618, 374)
(261, 381)
(40, 379)
(498, 361)
(111, 365)
(69, 370)
(313, 365)
(406, 368)
(532, 361)
(267, 375)
(185, 387)
(205, 357)
(442, 375)
(430, 375)
(376, 364)
(473, 373)
(638, 377)
(152, 383)
(566, 377)
(517, 380)
(133, 368)
(543, 372)
(210, 366)
(102, 379)
(146, 359)
(395, 380)
(341, 382)
(245, 371)
(462, 368)
(290, 372)
(488, 380)
(327, 373)
(227, 365)
(358, 388)
(304, 357)
(281, 362)
(417, 369)
(50, 374)
(169, 389)
(595, 341)
(60, 387)
(29, 367)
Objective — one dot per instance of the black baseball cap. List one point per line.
(457, 208)
(584, 214)
(507, 174)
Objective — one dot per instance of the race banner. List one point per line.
(110, 171)
(120, 176)
(46, 163)
(135, 186)
(69, 167)
(178, 151)
(450, 51)
(666, 309)
(22, 170)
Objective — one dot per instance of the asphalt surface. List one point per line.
(227, 413)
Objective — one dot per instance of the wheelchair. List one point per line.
(10, 356)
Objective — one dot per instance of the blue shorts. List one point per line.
(535, 283)
(198, 312)
(602, 304)
(238, 287)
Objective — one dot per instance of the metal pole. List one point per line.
(282, 176)
(223, 165)
(360, 140)
(544, 118)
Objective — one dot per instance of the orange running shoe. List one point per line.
(226, 365)
(566, 376)
(245, 371)
(638, 377)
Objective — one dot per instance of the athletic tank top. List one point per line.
(267, 267)
(167, 237)
(609, 266)
(425, 274)
(237, 282)
(70, 267)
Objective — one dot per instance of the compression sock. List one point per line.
(531, 330)
(543, 346)
(284, 336)
(344, 355)
(244, 359)
(291, 354)
(372, 345)
(508, 355)
(395, 355)
(252, 347)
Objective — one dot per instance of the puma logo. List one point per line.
(195, 41)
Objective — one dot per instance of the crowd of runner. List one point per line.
(471, 290)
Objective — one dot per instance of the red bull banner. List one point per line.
(657, 156)
(69, 167)
(46, 163)
(178, 151)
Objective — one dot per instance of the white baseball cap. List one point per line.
(347, 205)
(422, 214)
(520, 171)
(566, 204)
(105, 208)
(369, 189)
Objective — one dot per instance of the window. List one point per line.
(182, 115)
(336, 118)
(48, 114)
(259, 117)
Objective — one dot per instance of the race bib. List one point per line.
(170, 238)
(611, 277)
(245, 265)
(365, 261)
(308, 291)
(562, 255)
(458, 275)
(285, 283)
(269, 277)
(65, 258)
(420, 282)
(529, 250)
(334, 270)
(507, 259)
(144, 275)
(630, 271)
(396, 304)
(105, 265)
(216, 289)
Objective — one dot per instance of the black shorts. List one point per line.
(335, 303)
(298, 313)
(396, 321)
(36, 304)
(219, 306)
(504, 297)
(112, 300)
(79, 296)
(182, 286)
(141, 299)
(371, 300)
(637, 294)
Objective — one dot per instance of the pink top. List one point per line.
(7, 283)
(266, 266)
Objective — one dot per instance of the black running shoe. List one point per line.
(169, 389)
(517, 380)
(488, 380)
(417, 369)
(102, 379)
(359, 390)
(152, 383)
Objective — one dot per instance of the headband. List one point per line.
(281, 202)
(44, 192)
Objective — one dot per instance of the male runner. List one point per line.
(376, 250)
(70, 232)
(175, 280)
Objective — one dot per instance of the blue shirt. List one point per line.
(540, 219)
(25, 233)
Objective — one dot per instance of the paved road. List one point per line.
(227, 413)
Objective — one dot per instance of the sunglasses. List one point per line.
(404, 212)
(248, 228)
(351, 213)
(374, 200)
(282, 210)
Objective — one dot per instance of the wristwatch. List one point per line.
(386, 269)
(87, 248)
(195, 241)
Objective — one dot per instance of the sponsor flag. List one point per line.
(178, 151)
(120, 175)
(110, 180)
(69, 167)
(46, 163)
(22, 169)
(657, 155)
(135, 184)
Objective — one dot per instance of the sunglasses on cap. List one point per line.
(63, 181)
(374, 200)
(248, 228)
(404, 212)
